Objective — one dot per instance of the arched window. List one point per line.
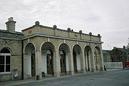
(5, 60)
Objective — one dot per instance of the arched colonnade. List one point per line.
(62, 59)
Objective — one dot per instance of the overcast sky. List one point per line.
(110, 18)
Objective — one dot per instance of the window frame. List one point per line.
(5, 56)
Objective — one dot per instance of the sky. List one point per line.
(110, 18)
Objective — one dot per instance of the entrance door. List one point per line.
(33, 65)
(50, 64)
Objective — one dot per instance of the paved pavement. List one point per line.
(110, 78)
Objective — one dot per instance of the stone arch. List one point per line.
(5, 59)
(64, 53)
(26, 45)
(48, 53)
(77, 58)
(88, 58)
(29, 61)
(97, 57)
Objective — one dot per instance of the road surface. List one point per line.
(110, 78)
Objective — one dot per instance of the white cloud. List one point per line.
(107, 17)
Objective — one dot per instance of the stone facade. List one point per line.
(41, 51)
(13, 42)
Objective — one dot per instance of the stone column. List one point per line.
(93, 67)
(83, 62)
(102, 61)
(38, 63)
(57, 69)
(71, 62)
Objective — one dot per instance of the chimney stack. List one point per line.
(10, 24)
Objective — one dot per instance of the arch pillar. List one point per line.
(71, 62)
(93, 68)
(83, 61)
(38, 61)
(57, 69)
(102, 61)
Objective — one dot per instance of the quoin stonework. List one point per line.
(40, 51)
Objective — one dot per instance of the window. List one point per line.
(5, 60)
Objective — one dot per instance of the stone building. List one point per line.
(47, 51)
(117, 58)
(10, 51)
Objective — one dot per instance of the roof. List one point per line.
(42, 26)
(6, 31)
(4, 34)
